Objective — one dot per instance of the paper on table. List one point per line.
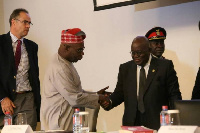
(17, 129)
(179, 129)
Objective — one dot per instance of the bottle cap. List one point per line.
(77, 110)
(7, 113)
(164, 107)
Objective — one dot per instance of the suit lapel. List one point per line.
(132, 75)
(9, 48)
(153, 68)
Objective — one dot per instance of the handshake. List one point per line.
(104, 99)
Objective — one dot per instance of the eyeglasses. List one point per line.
(138, 53)
(24, 22)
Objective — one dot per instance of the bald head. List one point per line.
(142, 40)
(140, 50)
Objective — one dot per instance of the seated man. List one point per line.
(62, 88)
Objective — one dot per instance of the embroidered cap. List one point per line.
(71, 36)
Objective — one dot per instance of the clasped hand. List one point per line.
(104, 100)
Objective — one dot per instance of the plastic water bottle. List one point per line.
(76, 121)
(164, 117)
(7, 119)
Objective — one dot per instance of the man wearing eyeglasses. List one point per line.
(144, 84)
(156, 37)
(19, 72)
(62, 90)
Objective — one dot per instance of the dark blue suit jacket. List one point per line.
(8, 70)
(161, 88)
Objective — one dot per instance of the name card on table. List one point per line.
(179, 129)
(17, 129)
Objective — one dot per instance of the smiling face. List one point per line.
(20, 25)
(140, 50)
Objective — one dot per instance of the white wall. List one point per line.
(1, 17)
(109, 36)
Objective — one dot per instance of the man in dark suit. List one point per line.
(144, 84)
(196, 89)
(19, 72)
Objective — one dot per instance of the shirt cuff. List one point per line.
(110, 101)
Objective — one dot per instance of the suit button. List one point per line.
(13, 90)
(14, 77)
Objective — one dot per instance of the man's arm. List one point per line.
(71, 90)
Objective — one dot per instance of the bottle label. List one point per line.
(167, 119)
(7, 121)
(77, 119)
(73, 120)
(164, 119)
(81, 120)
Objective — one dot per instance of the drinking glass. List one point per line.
(174, 117)
(84, 122)
(21, 119)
